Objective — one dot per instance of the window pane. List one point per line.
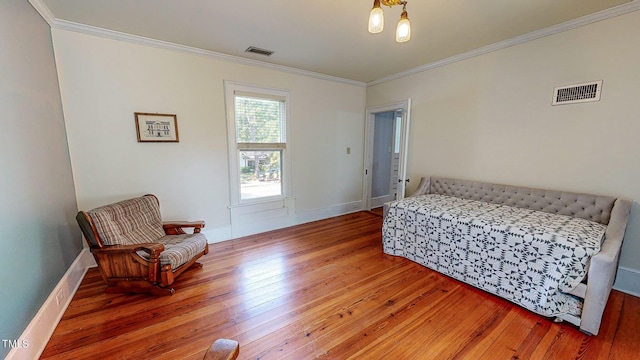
(260, 173)
(259, 120)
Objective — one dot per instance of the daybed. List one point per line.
(552, 252)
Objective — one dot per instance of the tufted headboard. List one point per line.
(591, 207)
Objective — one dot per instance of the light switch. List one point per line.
(348, 150)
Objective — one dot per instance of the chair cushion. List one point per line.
(129, 222)
(178, 249)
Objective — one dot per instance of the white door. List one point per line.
(387, 130)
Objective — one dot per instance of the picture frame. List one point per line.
(153, 127)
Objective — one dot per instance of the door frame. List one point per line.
(405, 106)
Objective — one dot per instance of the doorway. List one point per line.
(387, 129)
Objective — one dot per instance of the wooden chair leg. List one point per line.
(157, 290)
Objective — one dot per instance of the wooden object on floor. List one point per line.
(122, 267)
(325, 289)
(223, 349)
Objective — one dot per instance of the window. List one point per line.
(257, 119)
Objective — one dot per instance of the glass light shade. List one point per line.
(403, 31)
(376, 20)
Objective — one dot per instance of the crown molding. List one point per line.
(43, 10)
(140, 40)
(552, 30)
(48, 16)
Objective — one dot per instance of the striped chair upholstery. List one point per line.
(138, 221)
(178, 249)
(129, 222)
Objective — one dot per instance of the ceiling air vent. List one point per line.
(257, 50)
(578, 93)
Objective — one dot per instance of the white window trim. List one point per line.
(231, 89)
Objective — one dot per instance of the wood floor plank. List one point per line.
(599, 347)
(417, 315)
(303, 321)
(514, 335)
(325, 290)
(351, 316)
(467, 335)
(626, 344)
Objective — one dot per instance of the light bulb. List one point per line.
(403, 31)
(376, 18)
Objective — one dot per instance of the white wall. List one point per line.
(103, 82)
(490, 118)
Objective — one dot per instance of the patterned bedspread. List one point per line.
(528, 257)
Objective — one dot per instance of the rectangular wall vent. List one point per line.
(257, 50)
(577, 93)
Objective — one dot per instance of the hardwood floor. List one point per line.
(326, 290)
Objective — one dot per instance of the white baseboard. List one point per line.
(628, 281)
(224, 233)
(219, 234)
(39, 331)
(328, 212)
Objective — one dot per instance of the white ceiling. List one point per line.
(328, 37)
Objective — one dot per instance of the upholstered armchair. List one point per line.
(135, 250)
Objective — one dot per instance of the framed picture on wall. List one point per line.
(156, 127)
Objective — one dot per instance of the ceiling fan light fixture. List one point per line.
(403, 31)
(376, 18)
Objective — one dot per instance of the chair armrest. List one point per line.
(223, 349)
(175, 227)
(122, 252)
